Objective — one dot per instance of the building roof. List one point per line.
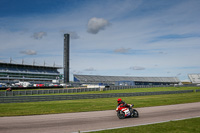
(26, 65)
(195, 78)
(98, 78)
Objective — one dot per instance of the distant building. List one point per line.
(10, 72)
(125, 80)
(195, 78)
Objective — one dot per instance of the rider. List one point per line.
(119, 101)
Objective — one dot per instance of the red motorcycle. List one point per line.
(123, 112)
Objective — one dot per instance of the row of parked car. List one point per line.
(28, 84)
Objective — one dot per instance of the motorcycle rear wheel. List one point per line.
(121, 115)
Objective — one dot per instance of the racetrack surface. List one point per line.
(97, 120)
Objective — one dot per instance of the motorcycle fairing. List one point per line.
(126, 111)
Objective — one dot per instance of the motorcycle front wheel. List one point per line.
(135, 113)
(121, 115)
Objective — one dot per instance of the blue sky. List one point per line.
(108, 37)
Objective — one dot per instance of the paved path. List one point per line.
(87, 121)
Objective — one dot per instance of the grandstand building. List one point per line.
(125, 80)
(194, 78)
(10, 72)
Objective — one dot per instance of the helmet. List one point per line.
(119, 100)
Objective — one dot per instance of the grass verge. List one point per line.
(181, 126)
(130, 90)
(67, 106)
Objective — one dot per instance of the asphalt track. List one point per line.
(97, 120)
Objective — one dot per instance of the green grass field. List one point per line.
(181, 126)
(67, 106)
(146, 90)
(130, 90)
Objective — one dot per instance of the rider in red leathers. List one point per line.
(119, 101)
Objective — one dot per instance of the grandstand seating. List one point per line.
(27, 72)
(195, 78)
(112, 79)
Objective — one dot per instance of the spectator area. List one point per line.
(137, 80)
(11, 72)
(195, 78)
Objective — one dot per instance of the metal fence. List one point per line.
(18, 99)
(75, 90)
(51, 91)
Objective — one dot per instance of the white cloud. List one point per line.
(39, 35)
(161, 52)
(29, 52)
(144, 30)
(137, 68)
(89, 69)
(178, 74)
(96, 24)
(122, 50)
(76, 72)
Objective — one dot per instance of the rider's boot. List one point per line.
(131, 112)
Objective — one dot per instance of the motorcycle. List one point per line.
(123, 112)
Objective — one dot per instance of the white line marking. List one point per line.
(136, 125)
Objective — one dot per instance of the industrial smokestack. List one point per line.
(66, 58)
